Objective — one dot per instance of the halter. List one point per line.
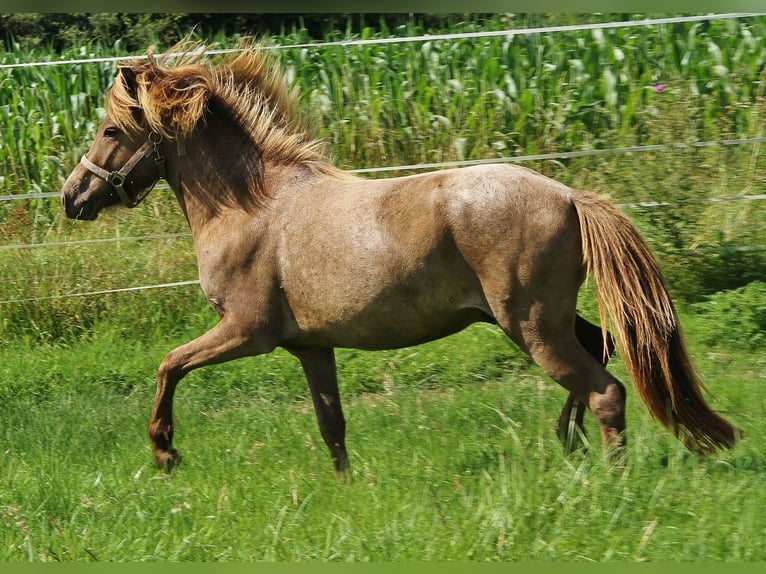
(118, 178)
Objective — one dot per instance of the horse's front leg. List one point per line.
(220, 344)
(319, 366)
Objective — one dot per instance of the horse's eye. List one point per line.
(111, 132)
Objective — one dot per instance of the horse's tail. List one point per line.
(631, 289)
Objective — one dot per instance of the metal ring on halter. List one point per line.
(117, 178)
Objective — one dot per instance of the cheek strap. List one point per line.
(117, 178)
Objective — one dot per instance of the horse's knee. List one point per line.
(609, 406)
(170, 369)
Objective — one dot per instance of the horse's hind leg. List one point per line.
(530, 275)
(321, 373)
(570, 424)
(563, 358)
(545, 330)
(592, 338)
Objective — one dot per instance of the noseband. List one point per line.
(119, 177)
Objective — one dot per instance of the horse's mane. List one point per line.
(174, 92)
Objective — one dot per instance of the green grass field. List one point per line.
(452, 444)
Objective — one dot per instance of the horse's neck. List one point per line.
(222, 174)
(181, 197)
(206, 198)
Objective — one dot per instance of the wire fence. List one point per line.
(427, 37)
(509, 159)
(400, 168)
(434, 166)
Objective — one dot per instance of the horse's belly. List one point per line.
(398, 333)
(380, 273)
(401, 315)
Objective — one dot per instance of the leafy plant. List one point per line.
(736, 317)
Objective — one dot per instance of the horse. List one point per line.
(294, 252)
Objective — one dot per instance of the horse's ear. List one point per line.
(128, 79)
(127, 76)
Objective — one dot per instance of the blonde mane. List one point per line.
(173, 92)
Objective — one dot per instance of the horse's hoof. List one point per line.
(344, 475)
(167, 460)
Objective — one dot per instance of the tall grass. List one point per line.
(477, 98)
(503, 96)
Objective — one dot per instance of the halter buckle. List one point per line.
(116, 179)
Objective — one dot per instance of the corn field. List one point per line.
(434, 100)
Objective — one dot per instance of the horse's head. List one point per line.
(122, 166)
(231, 106)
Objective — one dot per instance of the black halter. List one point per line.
(118, 178)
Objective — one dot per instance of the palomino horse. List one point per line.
(293, 252)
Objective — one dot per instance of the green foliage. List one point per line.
(527, 94)
(435, 100)
(695, 215)
(40, 284)
(128, 31)
(736, 318)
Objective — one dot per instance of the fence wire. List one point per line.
(425, 37)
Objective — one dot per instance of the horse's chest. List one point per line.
(233, 276)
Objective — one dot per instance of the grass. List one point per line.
(452, 444)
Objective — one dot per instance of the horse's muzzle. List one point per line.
(77, 199)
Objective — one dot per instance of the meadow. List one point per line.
(452, 443)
